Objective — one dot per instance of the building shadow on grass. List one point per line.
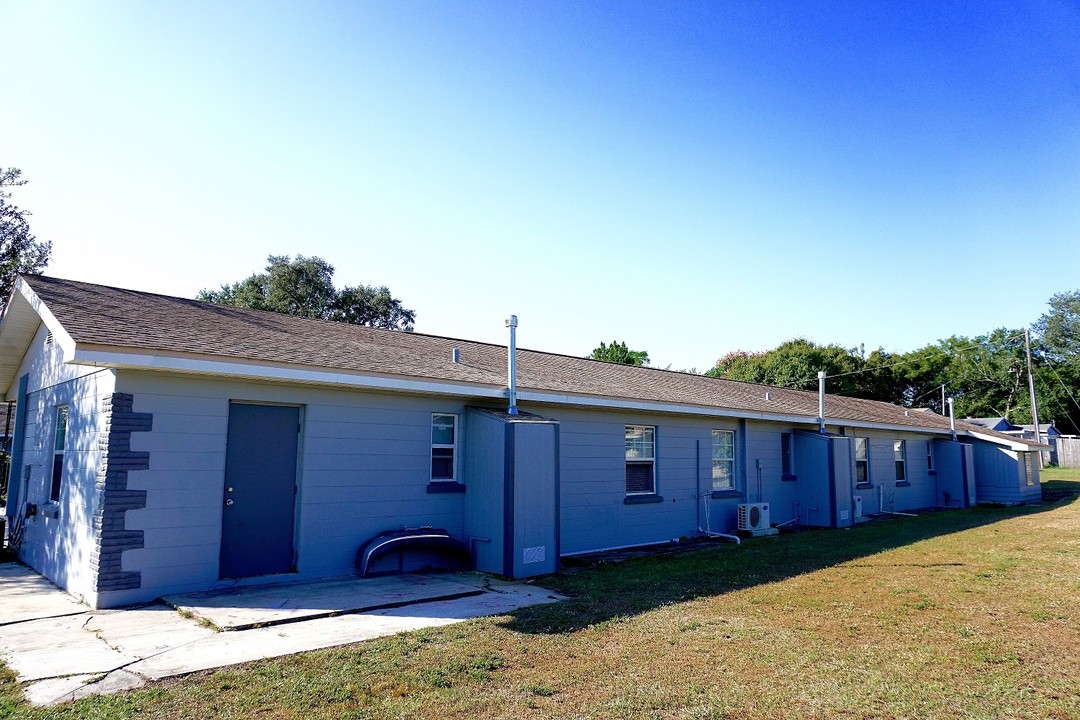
(611, 590)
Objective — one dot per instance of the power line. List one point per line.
(958, 350)
(951, 351)
(1063, 385)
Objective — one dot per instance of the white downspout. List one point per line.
(511, 365)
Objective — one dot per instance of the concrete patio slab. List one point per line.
(29, 596)
(230, 648)
(243, 608)
(58, 658)
(144, 631)
(56, 690)
(53, 647)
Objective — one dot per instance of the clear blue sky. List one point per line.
(690, 178)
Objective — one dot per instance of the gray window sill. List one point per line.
(445, 486)
(642, 499)
(726, 494)
(903, 483)
(864, 486)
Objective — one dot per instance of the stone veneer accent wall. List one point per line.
(117, 460)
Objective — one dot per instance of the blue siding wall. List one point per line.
(842, 454)
(485, 471)
(811, 456)
(364, 468)
(535, 511)
(60, 547)
(593, 465)
(1002, 475)
(593, 474)
(918, 491)
(948, 464)
(763, 446)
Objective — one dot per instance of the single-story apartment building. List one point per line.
(166, 445)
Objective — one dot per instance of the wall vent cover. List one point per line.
(532, 555)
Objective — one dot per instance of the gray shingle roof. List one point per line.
(989, 422)
(107, 317)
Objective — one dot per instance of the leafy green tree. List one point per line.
(796, 364)
(20, 251)
(618, 352)
(305, 287)
(1059, 330)
(986, 375)
(1056, 347)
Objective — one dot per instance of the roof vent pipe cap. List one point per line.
(457, 355)
(768, 396)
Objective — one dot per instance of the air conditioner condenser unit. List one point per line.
(754, 519)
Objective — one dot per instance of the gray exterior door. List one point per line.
(259, 506)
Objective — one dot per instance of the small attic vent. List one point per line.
(49, 339)
(768, 396)
(456, 356)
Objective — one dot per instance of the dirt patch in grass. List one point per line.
(955, 614)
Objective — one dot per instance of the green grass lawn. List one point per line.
(969, 613)
(1065, 475)
(1059, 483)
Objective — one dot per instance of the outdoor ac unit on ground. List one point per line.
(754, 519)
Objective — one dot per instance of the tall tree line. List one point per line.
(986, 374)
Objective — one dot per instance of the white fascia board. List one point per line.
(678, 409)
(1019, 446)
(105, 358)
(60, 335)
(203, 366)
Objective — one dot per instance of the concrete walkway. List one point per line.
(62, 650)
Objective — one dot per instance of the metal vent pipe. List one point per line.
(511, 365)
(952, 419)
(821, 401)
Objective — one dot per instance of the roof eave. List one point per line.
(23, 314)
(117, 357)
(114, 357)
(1020, 446)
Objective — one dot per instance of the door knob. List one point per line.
(228, 502)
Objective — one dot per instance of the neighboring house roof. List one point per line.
(1043, 428)
(112, 327)
(992, 423)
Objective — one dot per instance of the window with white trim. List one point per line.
(900, 459)
(640, 460)
(930, 455)
(723, 459)
(444, 447)
(59, 441)
(862, 460)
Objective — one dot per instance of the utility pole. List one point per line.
(1031, 389)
